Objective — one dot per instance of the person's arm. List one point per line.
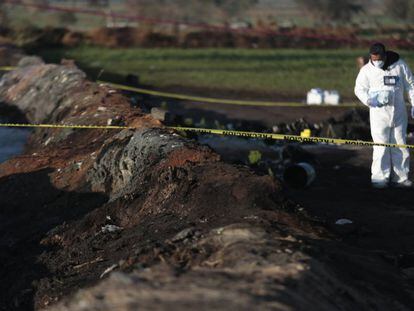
(409, 85)
(362, 88)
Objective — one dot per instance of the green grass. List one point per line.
(271, 72)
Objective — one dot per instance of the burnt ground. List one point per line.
(342, 188)
(383, 220)
(144, 218)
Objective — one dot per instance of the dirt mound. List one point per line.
(238, 267)
(108, 37)
(73, 38)
(183, 228)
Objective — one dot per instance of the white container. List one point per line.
(332, 97)
(315, 97)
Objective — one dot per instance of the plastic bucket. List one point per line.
(299, 175)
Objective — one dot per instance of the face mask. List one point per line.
(378, 63)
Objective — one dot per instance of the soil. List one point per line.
(107, 220)
(382, 219)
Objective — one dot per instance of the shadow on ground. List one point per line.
(29, 208)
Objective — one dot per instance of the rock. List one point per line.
(123, 169)
(51, 87)
(163, 115)
(110, 229)
(158, 113)
(30, 61)
(184, 234)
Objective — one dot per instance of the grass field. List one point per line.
(289, 73)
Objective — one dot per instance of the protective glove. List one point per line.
(383, 98)
(412, 112)
(374, 103)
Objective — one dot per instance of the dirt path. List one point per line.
(383, 219)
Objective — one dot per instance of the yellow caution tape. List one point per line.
(257, 135)
(218, 100)
(290, 138)
(212, 100)
(66, 126)
(7, 68)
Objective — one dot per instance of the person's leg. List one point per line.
(381, 157)
(400, 157)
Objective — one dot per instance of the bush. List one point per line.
(403, 9)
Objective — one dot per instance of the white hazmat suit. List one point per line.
(386, 86)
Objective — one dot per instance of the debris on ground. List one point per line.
(343, 221)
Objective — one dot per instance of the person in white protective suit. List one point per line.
(380, 85)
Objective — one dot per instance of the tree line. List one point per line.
(211, 11)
